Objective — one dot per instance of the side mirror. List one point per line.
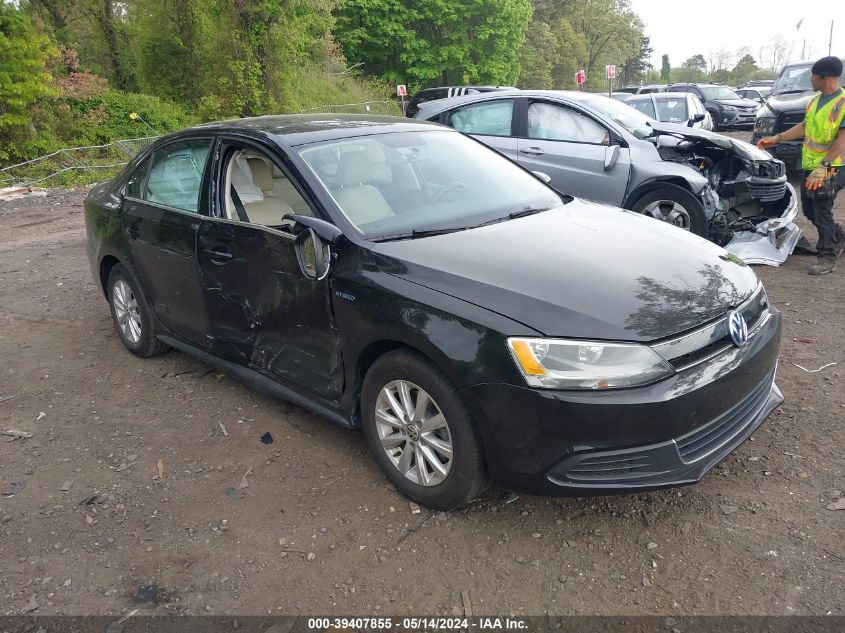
(611, 155)
(696, 118)
(542, 176)
(314, 255)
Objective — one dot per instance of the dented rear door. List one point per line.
(263, 312)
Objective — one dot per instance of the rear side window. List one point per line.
(490, 118)
(176, 174)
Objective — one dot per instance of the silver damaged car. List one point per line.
(594, 147)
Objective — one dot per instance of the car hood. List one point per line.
(741, 148)
(583, 270)
(740, 103)
(789, 102)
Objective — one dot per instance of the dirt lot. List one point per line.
(94, 529)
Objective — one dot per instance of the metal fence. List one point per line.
(99, 162)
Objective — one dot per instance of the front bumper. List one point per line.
(772, 241)
(738, 118)
(662, 435)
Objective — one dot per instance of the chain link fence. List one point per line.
(75, 165)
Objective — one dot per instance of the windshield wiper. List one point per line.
(524, 212)
(418, 233)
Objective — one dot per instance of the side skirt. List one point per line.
(262, 383)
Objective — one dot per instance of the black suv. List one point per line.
(785, 107)
(726, 107)
(445, 92)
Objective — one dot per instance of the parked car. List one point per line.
(786, 107)
(596, 148)
(758, 93)
(683, 108)
(621, 96)
(641, 90)
(726, 108)
(758, 83)
(400, 277)
(446, 92)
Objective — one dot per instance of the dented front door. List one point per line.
(263, 312)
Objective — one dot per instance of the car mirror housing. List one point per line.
(696, 118)
(313, 254)
(328, 232)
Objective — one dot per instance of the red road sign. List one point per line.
(401, 91)
(580, 77)
(611, 71)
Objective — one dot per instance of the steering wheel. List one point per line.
(454, 186)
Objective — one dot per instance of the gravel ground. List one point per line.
(119, 500)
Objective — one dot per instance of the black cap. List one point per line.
(828, 67)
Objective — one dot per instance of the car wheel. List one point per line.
(420, 432)
(132, 316)
(674, 205)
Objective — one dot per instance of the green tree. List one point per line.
(635, 65)
(693, 69)
(24, 55)
(745, 69)
(665, 67)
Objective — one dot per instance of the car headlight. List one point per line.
(563, 364)
(728, 108)
(764, 125)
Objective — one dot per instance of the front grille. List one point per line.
(611, 467)
(711, 437)
(767, 192)
(789, 120)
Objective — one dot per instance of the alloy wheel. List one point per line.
(414, 433)
(669, 211)
(126, 311)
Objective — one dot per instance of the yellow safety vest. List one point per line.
(821, 128)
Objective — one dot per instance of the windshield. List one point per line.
(718, 92)
(796, 78)
(632, 120)
(398, 183)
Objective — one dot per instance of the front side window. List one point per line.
(434, 180)
(557, 123)
(490, 118)
(176, 174)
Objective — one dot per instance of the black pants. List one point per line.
(820, 212)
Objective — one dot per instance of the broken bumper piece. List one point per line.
(772, 241)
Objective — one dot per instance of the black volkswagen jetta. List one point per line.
(403, 278)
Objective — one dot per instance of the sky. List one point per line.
(685, 28)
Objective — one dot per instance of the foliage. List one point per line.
(24, 55)
(435, 42)
(665, 68)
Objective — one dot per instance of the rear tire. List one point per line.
(674, 205)
(132, 316)
(420, 433)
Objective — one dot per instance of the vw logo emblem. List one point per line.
(737, 328)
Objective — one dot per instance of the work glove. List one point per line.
(817, 178)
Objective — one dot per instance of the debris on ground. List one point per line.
(41, 416)
(726, 509)
(467, 604)
(67, 485)
(7, 398)
(16, 435)
(30, 606)
(799, 339)
(839, 504)
(7, 194)
(267, 438)
(415, 509)
(160, 470)
(814, 371)
(223, 428)
(123, 467)
(13, 488)
(244, 483)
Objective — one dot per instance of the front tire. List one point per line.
(131, 314)
(420, 432)
(673, 205)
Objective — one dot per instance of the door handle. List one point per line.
(532, 151)
(218, 253)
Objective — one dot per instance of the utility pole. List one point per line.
(830, 41)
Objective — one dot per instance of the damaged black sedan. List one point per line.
(401, 278)
(599, 149)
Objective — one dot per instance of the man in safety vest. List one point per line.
(822, 158)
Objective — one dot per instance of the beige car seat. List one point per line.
(267, 210)
(360, 202)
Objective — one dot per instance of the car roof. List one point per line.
(661, 95)
(299, 129)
